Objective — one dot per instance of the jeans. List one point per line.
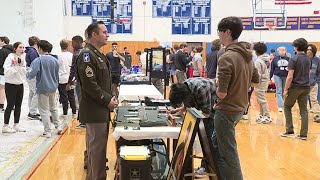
(294, 94)
(227, 145)
(318, 95)
(280, 83)
(313, 99)
(78, 90)
(67, 97)
(215, 154)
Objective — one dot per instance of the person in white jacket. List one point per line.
(261, 89)
(14, 75)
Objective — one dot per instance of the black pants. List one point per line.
(14, 95)
(249, 103)
(66, 96)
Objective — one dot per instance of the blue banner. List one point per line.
(201, 25)
(201, 8)
(181, 25)
(81, 7)
(122, 14)
(195, 16)
(124, 25)
(310, 22)
(247, 23)
(101, 8)
(106, 20)
(292, 23)
(161, 8)
(124, 8)
(181, 8)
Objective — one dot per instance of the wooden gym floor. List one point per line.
(264, 155)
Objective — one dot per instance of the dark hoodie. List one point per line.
(31, 54)
(4, 52)
(236, 72)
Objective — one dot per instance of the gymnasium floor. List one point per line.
(263, 153)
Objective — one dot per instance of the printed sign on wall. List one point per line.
(161, 8)
(100, 10)
(81, 7)
(293, 23)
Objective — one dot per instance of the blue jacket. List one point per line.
(315, 71)
(279, 66)
(46, 69)
(31, 54)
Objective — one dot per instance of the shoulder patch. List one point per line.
(86, 57)
(89, 72)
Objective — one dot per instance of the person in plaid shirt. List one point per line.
(199, 93)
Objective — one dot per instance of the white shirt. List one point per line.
(15, 73)
(143, 59)
(65, 62)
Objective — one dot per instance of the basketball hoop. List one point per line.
(271, 27)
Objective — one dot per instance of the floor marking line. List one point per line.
(49, 150)
(18, 154)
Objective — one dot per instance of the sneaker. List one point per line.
(287, 134)
(33, 117)
(18, 128)
(81, 125)
(301, 137)
(245, 117)
(200, 172)
(266, 120)
(2, 109)
(260, 119)
(8, 129)
(280, 109)
(63, 117)
(59, 131)
(316, 118)
(46, 134)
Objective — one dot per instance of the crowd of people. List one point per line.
(237, 69)
(221, 88)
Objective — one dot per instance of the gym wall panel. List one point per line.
(133, 47)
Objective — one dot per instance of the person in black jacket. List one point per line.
(5, 50)
(31, 54)
(180, 62)
(212, 59)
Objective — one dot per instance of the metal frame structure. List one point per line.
(279, 13)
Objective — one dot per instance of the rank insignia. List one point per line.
(89, 72)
